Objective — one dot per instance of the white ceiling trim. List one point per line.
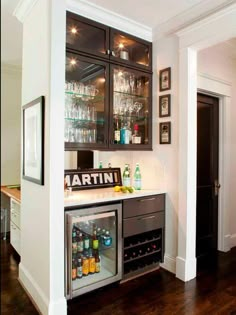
(23, 8)
(207, 19)
(107, 17)
(191, 16)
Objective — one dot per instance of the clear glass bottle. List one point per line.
(126, 176)
(137, 178)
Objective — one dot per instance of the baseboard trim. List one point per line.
(33, 290)
(169, 263)
(185, 269)
(233, 240)
(29, 296)
(38, 298)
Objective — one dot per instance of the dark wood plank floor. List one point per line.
(212, 292)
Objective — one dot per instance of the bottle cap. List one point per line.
(136, 127)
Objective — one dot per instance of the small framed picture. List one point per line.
(165, 79)
(33, 141)
(165, 133)
(164, 105)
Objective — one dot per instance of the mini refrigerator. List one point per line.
(93, 248)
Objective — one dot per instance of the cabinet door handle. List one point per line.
(147, 199)
(147, 218)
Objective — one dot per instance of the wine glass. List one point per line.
(132, 82)
(137, 107)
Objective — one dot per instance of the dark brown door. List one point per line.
(207, 177)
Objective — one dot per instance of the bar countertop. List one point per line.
(92, 196)
(12, 193)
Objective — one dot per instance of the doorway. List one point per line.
(207, 179)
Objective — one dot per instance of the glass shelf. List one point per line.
(85, 121)
(132, 95)
(85, 97)
(129, 117)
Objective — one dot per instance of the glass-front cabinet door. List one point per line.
(86, 36)
(86, 103)
(130, 114)
(130, 50)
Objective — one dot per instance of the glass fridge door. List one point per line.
(93, 254)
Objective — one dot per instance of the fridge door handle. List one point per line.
(93, 216)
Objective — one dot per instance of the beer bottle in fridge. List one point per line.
(97, 263)
(74, 269)
(95, 240)
(79, 268)
(74, 241)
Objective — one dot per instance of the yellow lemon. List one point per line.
(117, 188)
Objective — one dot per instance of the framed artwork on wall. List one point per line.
(165, 79)
(33, 141)
(164, 105)
(165, 132)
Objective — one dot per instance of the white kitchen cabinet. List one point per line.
(15, 225)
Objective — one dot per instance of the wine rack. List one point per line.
(142, 252)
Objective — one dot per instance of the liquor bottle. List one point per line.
(97, 263)
(79, 268)
(74, 269)
(136, 137)
(80, 243)
(137, 178)
(74, 241)
(123, 134)
(95, 240)
(126, 176)
(116, 131)
(107, 239)
(100, 164)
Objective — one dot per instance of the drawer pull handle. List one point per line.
(147, 199)
(147, 218)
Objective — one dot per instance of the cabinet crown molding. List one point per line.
(109, 18)
(23, 8)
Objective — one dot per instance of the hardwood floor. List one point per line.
(213, 292)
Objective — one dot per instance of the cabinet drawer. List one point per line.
(144, 223)
(139, 206)
(15, 213)
(15, 237)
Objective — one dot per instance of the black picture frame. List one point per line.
(165, 132)
(165, 79)
(33, 141)
(164, 105)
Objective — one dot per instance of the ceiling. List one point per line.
(152, 13)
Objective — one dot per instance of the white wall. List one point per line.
(10, 124)
(159, 167)
(217, 62)
(42, 207)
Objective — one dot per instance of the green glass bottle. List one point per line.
(137, 178)
(126, 176)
